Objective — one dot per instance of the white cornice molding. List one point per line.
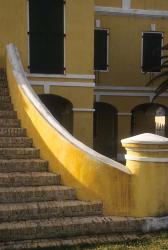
(133, 12)
(124, 88)
(47, 84)
(66, 76)
(146, 159)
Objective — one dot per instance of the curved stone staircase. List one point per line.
(36, 211)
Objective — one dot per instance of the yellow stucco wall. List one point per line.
(136, 4)
(79, 29)
(149, 179)
(150, 4)
(13, 27)
(79, 36)
(127, 103)
(125, 45)
(107, 3)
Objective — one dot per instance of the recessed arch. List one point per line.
(150, 118)
(105, 129)
(60, 108)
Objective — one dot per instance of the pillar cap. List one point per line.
(146, 138)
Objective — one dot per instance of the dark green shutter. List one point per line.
(46, 18)
(152, 43)
(100, 50)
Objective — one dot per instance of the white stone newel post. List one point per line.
(147, 158)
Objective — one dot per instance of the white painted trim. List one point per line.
(124, 114)
(46, 89)
(131, 12)
(66, 76)
(146, 150)
(83, 110)
(145, 159)
(124, 88)
(153, 27)
(63, 84)
(97, 98)
(146, 138)
(126, 4)
(19, 74)
(133, 94)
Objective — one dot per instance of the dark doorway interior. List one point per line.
(105, 129)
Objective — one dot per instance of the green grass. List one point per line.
(157, 241)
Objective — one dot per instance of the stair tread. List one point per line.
(64, 221)
(34, 188)
(46, 204)
(29, 174)
(18, 161)
(71, 241)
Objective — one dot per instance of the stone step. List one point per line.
(15, 142)
(8, 114)
(5, 98)
(3, 83)
(29, 179)
(4, 90)
(64, 227)
(35, 194)
(49, 209)
(2, 74)
(6, 106)
(19, 153)
(10, 123)
(67, 243)
(23, 165)
(12, 132)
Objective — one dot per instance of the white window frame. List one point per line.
(108, 45)
(158, 32)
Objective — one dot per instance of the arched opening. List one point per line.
(149, 118)
(60, 108)
(105, 129)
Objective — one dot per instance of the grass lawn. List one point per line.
(157, 241)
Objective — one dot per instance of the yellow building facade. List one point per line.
(119, 92)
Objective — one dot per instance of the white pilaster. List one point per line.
(126, 4)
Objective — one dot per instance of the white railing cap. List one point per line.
(146, 138)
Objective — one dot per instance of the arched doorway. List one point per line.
(149, 118)
(105, 129)
(60, 108)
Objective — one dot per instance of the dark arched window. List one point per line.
(60, 108)
(149, 118)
